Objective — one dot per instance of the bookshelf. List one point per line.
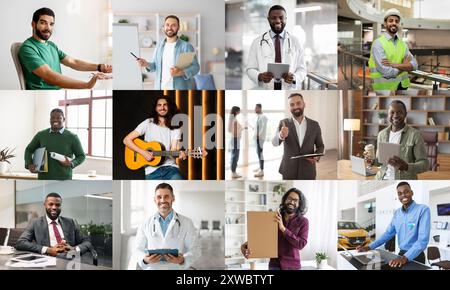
(427, 111)
(150, 34)
(240, 197)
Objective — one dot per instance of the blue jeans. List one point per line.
(165, 173)
(234, 153)
(259, 152)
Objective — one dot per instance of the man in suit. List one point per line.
(53, 234)
(300, 136)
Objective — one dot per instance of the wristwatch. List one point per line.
(99, 67)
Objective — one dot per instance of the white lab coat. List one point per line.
(181, 234)
(262, 52)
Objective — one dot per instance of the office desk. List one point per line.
(344, 172)
(306, 265)
(348, 263)
(33, 176)
(61, 264)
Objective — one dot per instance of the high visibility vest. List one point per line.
(395, 54)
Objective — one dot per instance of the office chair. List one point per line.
(216, 227)
(3, 234)
(204, 82)
(431, 139)
(204, 227)
(14, 235)
(15, 56)
(434, 254)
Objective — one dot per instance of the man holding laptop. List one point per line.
(411, 225)
(167, 240)
(303, 144)
(167, 53)
(412, 157)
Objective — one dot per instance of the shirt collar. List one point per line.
(295, 120)
(168, 218)
(404, 130)
(282, 34)
(49, 221)
(389, 37)
(411, 206)
(60, 131)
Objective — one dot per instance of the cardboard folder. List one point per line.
(262, 232)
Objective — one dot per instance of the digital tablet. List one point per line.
(308, 155)
(173, 252)
(31, 258)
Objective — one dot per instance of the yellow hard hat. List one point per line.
(392, 12)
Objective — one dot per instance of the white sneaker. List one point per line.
(256, 169)
(260, 173)
(235, 175)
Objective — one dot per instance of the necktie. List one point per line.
(277, 85)
(57, 234)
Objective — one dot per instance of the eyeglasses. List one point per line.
(292, 200)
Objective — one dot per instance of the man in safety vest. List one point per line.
(390, 59)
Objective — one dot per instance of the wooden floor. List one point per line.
(326, 169)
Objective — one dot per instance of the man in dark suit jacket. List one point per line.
(300, 136)
(53, 234)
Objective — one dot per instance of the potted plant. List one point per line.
(321, 260)
(382, 118)
(184, 37)
(5, 154)
(123, 21)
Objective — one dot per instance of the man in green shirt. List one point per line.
(41, 59)
(59, 140)
(413, 156)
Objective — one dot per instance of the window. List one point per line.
(89, 115)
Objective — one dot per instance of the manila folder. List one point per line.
(262, 232)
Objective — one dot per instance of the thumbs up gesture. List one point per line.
(284, 132)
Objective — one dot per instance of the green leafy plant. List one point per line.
(92, 229)
(184, 37)
(123, 21)
(382, 115)
(279, 188)
(320, 256)
(6, 154)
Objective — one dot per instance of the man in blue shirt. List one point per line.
(411, 224)
(167, 52)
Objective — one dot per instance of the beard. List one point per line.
(289, 209)
(171, 33)
(41, 35)
(393, 29)
(278, 31)
(297, 112)
(50, 216)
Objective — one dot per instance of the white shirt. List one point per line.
(164, 135)
(51, 233)
(167, 63)
(260, 127)
(394, 137)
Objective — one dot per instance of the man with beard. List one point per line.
(159, 128)
(413, 155)
(53, 234)
(390, 59)
(41, 59)
(300, 136)
(276, 46)
(411, 224)
(167, 75)
(59, 140)
(166, 229)
(292, 232)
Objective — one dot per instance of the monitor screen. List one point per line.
(443, 209)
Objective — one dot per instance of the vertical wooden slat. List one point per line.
(219, 135)
(190, 132)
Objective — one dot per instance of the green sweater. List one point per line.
(66, 144)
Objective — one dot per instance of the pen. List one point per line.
(134, 55)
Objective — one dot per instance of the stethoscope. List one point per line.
(264, 40)
(177, 220)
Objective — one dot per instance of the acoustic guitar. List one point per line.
(134, 160)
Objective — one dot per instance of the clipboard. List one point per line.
(278, 69)
(262, 232)
(40, 159)
(185, 60)
(308, 155)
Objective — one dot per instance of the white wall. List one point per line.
(321, 106)
(7, 204)
(212, 19)
(439, 197)
(25, 114)
(347, 192)
(80, 31)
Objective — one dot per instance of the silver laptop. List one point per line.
(359, 166)
(366, 259)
